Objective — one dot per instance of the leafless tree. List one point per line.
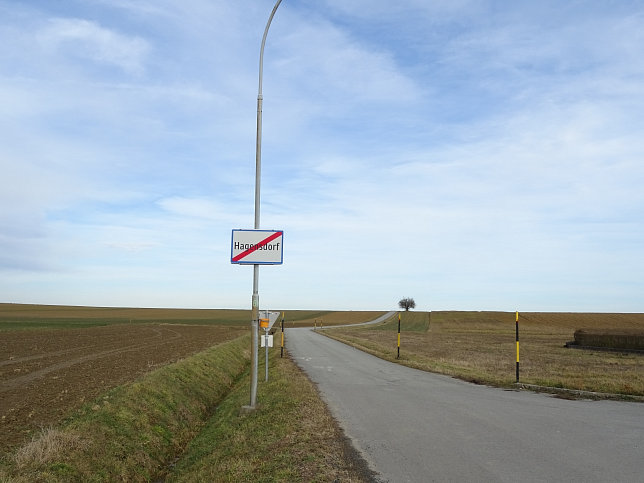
(407, 303)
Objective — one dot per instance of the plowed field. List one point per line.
(45, 374)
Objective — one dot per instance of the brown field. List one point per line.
(46, 373)
(57, 316)
(55, 358)
(481, 347)
(25, 316)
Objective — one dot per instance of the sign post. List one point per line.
(254, 317)
(266, 323)
(256, 247)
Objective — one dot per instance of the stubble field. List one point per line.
(480, 347)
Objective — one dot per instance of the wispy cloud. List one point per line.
(466, 155)
(91, 43)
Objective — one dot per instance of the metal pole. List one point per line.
(254, 324)
(266, 347)
(517, 341)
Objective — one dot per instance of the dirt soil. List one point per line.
(46, 374)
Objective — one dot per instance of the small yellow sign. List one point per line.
(263, 323)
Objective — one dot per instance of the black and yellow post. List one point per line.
(517, 337)
(282, 348)
(398, 354)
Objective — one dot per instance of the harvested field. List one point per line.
(27, 316)
(480, 347)
(58, 316)
(46, 373)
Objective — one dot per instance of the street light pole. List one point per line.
(258, 172)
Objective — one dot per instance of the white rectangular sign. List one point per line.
(257, 247)
(265, 339)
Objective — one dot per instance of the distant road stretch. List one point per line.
(414, 426)
(380, 319)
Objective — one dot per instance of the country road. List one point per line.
(413, 426)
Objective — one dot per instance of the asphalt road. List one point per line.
(416, 426)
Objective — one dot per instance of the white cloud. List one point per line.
(330, 60)
(90, 42)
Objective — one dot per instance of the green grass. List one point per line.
(409, 322)
(132, 431)
(290, 437)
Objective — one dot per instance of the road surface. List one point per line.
(414, 426)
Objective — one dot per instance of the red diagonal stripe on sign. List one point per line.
(265, 241)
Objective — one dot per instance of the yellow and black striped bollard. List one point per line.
(517, 338)
(282, 348)
(398, 354)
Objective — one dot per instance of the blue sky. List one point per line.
(474, 155)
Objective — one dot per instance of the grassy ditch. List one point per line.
(290, 437)
(134, 430)
(182, 422)
(480, 347)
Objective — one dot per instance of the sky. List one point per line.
(472, 155)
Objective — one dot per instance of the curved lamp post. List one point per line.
(258, 172)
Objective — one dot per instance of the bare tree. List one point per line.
(407, 303)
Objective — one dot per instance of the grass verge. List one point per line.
(290, 437)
